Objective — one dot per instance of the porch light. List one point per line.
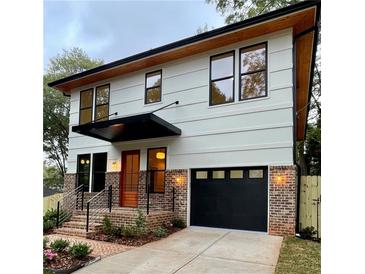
(179, 180)
(160, 155)
(280, 180)
(115, 166)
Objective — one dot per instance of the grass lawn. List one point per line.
(299, 256)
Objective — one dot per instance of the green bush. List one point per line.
(130, 231)
(107, 225)
(178, 222)
(79, 250)
(160, 232)
(307, 233)
(140, 228)
(59, 245)
(45, 242)
(117, 231)
(51, 214)
(48, 225)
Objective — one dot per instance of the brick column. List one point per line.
(69, 182)
(112, 178)
(282, 200)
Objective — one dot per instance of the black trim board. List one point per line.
(190, 40)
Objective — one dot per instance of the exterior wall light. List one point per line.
(115, 166)
(179, 180)
(280, 180)
(160, 155)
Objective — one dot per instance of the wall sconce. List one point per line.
(160, 155)
(179, 180)
(280, 180)
(115, 166)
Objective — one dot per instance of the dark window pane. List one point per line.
(99, 162)
(98, 182)
(86, 99)
(85, 116)
(101, 113)
(102, 95)
(253, 59)
(222, 91)
(99, 169)
(253, 85)
(83, 170)
(153, 95)
(153, 79)
(222, 66)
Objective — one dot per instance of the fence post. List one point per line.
(87, 216)
(58, 214)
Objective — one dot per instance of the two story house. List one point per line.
(203, 128)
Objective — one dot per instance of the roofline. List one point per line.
(192, 39)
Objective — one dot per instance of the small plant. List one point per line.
(141, 228)
(48, 225)
(178, 222)
(79, 250)
(117, 231)
(51, 214)
(160, 232)
(107, 225)
(49, 255)
(45, 242)
(59, 245)
(307, 233)
(130, 231)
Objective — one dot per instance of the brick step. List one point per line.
(82, 218)
(73, 232)
(82, 225)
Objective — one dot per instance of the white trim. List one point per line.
(91, 172)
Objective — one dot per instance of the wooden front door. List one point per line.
(129, 178)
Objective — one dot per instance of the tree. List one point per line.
(56, 106)
(308, 150)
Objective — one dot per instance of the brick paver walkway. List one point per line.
(100, 248)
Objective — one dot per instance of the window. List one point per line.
(153, 87)
(236, 174)
(256, 174)
(221, 78)
(253, 72)
(218, 174)
(102, 103)
(201, 175)
(156, 166)
(99, 169)
(83, 171)
(86, 106)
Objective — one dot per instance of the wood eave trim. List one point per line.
(299, 21)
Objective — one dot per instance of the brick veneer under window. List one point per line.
(282, 200)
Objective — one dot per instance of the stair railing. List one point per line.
(98, 205)
(68, 203)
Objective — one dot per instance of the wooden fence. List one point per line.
(51, 201)
(310, 203)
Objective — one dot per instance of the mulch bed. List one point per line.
(64, 261)
(131, 241)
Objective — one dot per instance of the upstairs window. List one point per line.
(222, 78)
(156, 166)
(102, 103)
(153, 87)
(86, 106)
(253, 72)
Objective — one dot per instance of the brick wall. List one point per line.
(282, 200)
(69, 182)
(163, 201)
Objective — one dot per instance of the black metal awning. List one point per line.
(136, 127)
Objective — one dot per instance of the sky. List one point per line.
(112, 30)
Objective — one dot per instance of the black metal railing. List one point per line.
(68, 203)
(98, 205)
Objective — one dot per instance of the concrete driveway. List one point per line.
(197, 250)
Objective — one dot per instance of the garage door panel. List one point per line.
(230, 203)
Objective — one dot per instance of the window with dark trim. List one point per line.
(102, 103)
(156, 166)
(86, 106)
(221, 78)
(83, 171)
(99, 170)
(153, 87)
(253, 71)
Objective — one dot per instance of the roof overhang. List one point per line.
(300, 17)
(136, 127)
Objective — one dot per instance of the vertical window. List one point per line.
(99, 169)
(253, 66)
(83, 171)
(102, 103)
(153, 87)
(156, 166)
(222, 78)
(86, 106)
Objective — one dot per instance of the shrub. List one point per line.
(107, 225)
(79, 250)
(178, 222)
(51, 214)
(117, 231)
(48, 225)
(59, 245)
(160, 232)
(140, 227)
(45, 242)
(130, 231)
(307, 233)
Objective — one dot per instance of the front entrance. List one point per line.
(230, 198)
(129, 179)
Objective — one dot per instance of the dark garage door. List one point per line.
(229, 198)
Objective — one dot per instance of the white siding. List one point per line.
(252, 132)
